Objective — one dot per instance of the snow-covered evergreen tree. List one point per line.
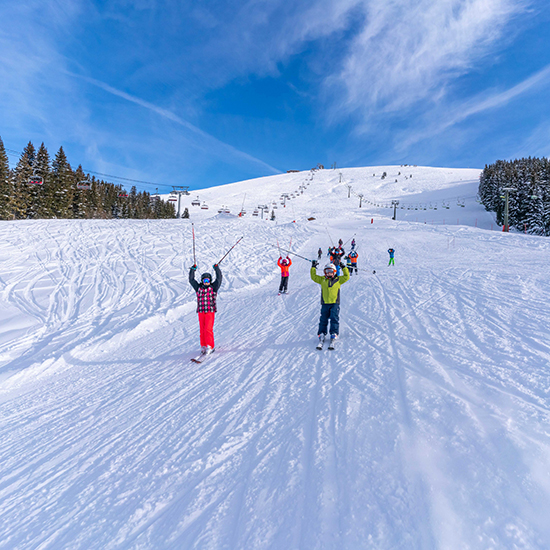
(6, 185)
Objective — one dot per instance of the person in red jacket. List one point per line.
(206, 292)
(284, 264)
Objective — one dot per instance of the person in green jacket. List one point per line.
(330, 297)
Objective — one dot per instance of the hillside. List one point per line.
(427, 427)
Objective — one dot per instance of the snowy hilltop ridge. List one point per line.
(424, 193)
(426, 427)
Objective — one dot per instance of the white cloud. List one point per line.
(410, 50)
(454, 114)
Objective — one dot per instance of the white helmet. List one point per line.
(330, 267)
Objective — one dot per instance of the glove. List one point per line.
(215, 266)
(314, 263)
(342, 265)
(194, 267)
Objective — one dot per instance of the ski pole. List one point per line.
(331, 241)
(230, 250)
(294, 253)
(194, 257)
(349, 239)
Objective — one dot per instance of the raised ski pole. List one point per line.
(229, 250)
(349, 239)
(294, 253)
(194, 257)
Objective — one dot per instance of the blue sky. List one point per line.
(207, 92)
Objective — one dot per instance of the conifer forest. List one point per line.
(527, 182)
(39, 188)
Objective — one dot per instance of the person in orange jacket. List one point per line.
(284, 264)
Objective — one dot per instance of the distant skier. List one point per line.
(319, 253)
(284, 264)
(336, 257)
(353, 244)
(206, 292)
(353, 256)
(330, 300)
(391, 252)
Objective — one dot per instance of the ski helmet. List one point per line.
(206, 276)
(331, 268)
(284, 262)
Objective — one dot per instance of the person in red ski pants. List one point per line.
(206, 291)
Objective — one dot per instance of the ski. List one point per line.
(320, 344)
(202, 357)
(331, 344)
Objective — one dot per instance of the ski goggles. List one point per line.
(206, 280)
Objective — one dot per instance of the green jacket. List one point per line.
(330, 288)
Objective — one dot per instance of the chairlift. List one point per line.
(204, 206)
(123, 195)
(84, 185)
(196, 202)
(256, 213)
(35, 179)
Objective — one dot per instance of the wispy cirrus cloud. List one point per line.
(454, 113)
(207, 141)
(411, 50)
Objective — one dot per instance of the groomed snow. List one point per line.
(427, 428)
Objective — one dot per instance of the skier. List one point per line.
(353, 244)
(336, 257)
(391, 252)
(330, 300)
(284, 264)
(206, 292)
(353, 259)
(319, 253)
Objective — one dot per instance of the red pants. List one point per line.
(206, 324)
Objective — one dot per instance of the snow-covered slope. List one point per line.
(426, 428)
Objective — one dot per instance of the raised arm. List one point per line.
(192, 281)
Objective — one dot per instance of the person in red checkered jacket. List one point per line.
(206, 292)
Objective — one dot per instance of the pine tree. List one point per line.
(22, 197)
(6, 187)
(61, 186)
(40, 207)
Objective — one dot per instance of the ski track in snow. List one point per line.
(426, 428)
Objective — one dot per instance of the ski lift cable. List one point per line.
(18, 154)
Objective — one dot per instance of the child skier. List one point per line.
(391, 252)
(206, 292)
(353, 255)
(319, 253)
(284, 264)
(330, 300)
(352, 244)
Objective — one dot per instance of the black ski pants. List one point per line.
(283, 287)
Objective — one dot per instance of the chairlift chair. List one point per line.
(84, 185)
(196, 202)
(204, 206)
(35, 179)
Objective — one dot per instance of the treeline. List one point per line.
(58, 195)
(529, 201)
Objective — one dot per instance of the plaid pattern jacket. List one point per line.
(206, 294)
